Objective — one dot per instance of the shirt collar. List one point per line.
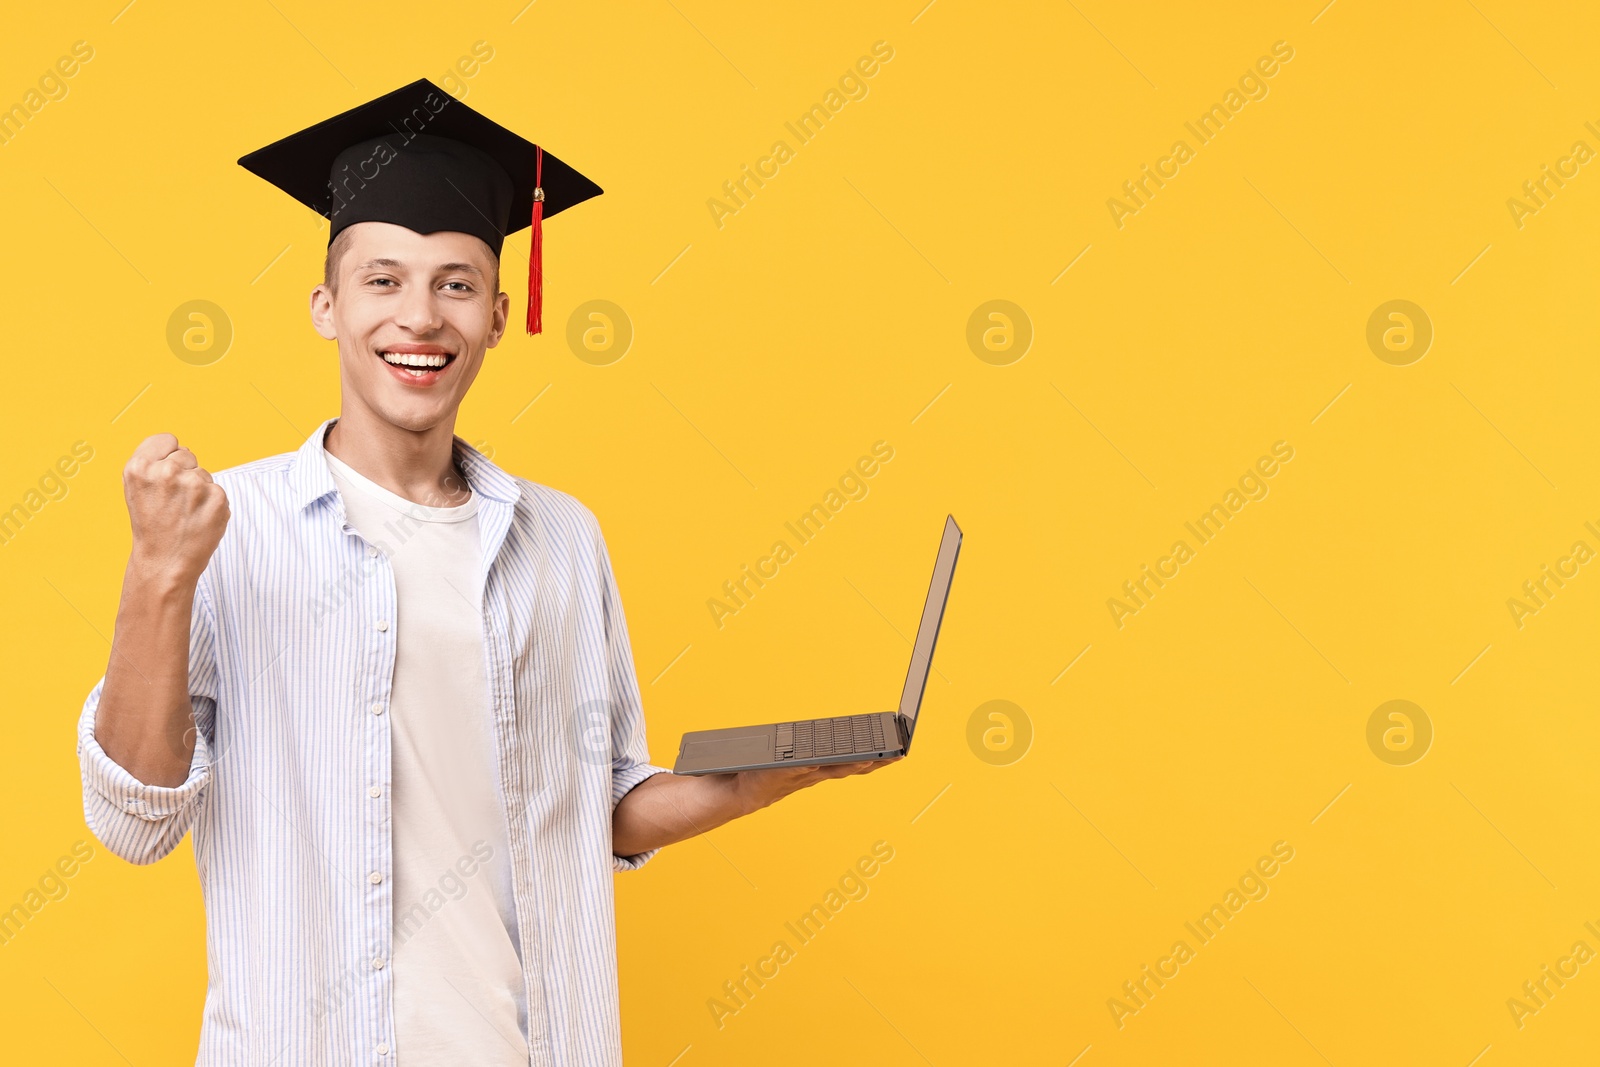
(310, 479)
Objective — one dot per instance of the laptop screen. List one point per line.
(944, 569)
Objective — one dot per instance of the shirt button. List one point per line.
(375, 792)
(377, 709)
(372, 550)
(375, 877)
(382, 624)
(378, 963)
(383, 1050)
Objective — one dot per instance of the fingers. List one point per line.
(162, 447)
(154, 447)
(845, 770)
(821, 772)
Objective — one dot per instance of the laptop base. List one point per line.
(746, 748)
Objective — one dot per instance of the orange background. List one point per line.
(1038, 868)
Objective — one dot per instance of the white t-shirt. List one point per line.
(458, 995)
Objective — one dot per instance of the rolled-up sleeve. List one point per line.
(140, 822)
(630, 748)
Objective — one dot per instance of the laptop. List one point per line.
(810, 742)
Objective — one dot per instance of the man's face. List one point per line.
(412, 299)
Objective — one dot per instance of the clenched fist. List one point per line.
(178, 512)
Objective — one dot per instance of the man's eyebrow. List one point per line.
(443, 267)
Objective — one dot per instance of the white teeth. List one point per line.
(400, 359)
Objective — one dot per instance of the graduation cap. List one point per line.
(420, 158)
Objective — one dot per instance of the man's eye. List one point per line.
(381, 281)
(465, 288)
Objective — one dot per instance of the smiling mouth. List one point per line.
(417, 364)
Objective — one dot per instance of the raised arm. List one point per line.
(178, 515)
(138, 733)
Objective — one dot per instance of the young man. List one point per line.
(387, 686)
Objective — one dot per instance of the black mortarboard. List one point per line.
(419, 158)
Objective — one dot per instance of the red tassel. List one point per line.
(536, 250)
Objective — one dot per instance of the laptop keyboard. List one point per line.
(829, 737)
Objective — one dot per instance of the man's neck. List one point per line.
(418, 465)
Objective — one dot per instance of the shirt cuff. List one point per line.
(153, 803)
(621, 783)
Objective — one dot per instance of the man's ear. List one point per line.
(322, 312)
(501, 314)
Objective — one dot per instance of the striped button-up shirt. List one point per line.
(291, 662)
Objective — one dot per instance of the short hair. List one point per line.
(341, 244)
(330, 264)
